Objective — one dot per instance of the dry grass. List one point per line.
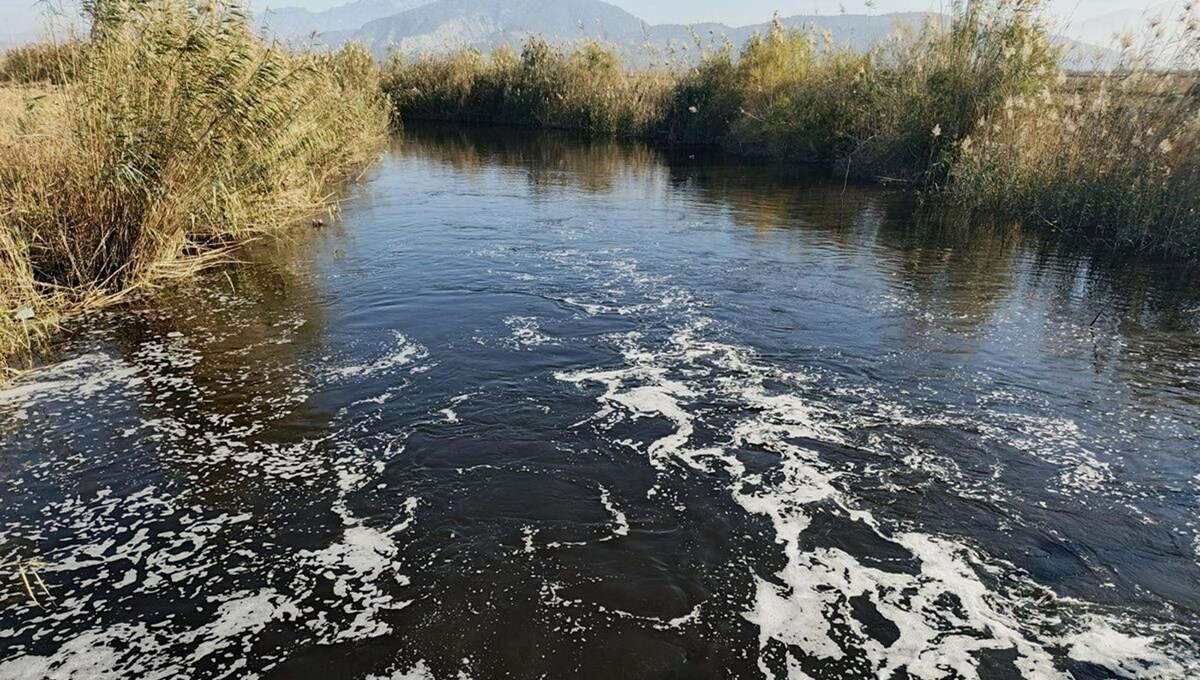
(583, 88)
(31, 580)
(976, 110)
(44, 62)
(1116, 160)
(31, 112)
(899, 109)
(183, 136)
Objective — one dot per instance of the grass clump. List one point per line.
(1114, 157)
(182, 136)
(781, 96)
(584, 88)
(899, 109)
(43, 62)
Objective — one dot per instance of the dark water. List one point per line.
(537, 408)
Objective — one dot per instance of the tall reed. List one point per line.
(183, 135)
(1114, 157)
(48, 61)
(584, 88)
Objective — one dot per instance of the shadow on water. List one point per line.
(966, 262)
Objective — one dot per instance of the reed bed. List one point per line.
(181, 136)
(1115, 160)
(975, 109)
(586, 87)
(49, 61)
(899, 108)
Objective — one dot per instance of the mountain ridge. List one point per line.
(438, 26)
(297, 22)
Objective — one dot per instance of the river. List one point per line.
(536, 407)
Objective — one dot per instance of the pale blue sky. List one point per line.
(742, 12)
(19, 16)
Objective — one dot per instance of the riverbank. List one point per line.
(135, 160)
(179, 136)
(977, 112)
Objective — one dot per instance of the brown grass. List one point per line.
(1113, 158)
(183, 136)
(977, 111)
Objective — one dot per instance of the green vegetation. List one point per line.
(1114, 157)
(181, 136)
(899, 108)
(43, 62)
(977, 111)
(172, 134)
(586, 88)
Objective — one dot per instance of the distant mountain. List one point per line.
(1104, 29)
(294, 22)
(486, 24)
(856, 31)
(444, 25)
(1109, 29)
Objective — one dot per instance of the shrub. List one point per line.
(44, 62)
(183, 135)
(586, 88)
(1117, 156)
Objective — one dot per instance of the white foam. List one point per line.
(79, 377)
(620, 522)
(152, 544)
(403, 352)
(1129, 656)
(418, 672)
(800, 605)
(525, 333)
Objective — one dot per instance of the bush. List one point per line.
(44, 62)
(1116, 156)
(183, 136)
(586, 88)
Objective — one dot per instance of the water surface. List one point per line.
(543, 408)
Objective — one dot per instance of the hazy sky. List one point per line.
(18, 16)
(742, 12)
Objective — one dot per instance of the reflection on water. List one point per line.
(541, 407)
